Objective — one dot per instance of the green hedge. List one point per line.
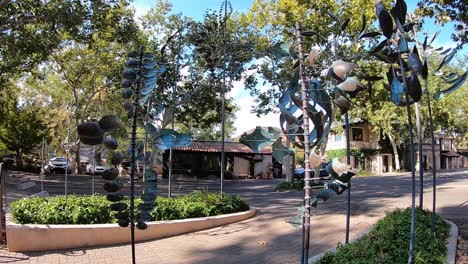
(297, 185)
(96, 210)
(388, 241)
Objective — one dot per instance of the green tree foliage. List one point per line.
(31, 30)
(22, 129)
(193, 54)
(446, 11)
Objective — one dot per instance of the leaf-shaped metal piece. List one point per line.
(114, 197)
(314, 53)
(116, 158)
(279, 151)
(127, 105)
(118, 207)
(133, 54)
(150, 129)
(113, 186)
(403, 45)
(343, 104)
(110, 174)
(109, 123)
(141, 226)
(132, 63)
(308, 33)
(370, 35)
(90, 133)
(350, 84)
(123, 222)
(434, 37)
(446, 60)
(445, 51)
(364, 22)
(279, 50)
(397, 90)
(257, 139)
(125, 83)
(399, 11)
(344, 24)
(424, 70)
(414, 63)
(456, 85)
(379, 47)
(126, 93)
(414, 87)
(323, 195)
(333, 16)
(425, 44)
(408, 26)
(386, 23)
(111, 143)
(342, 69)
(129, 74)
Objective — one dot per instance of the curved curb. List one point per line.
(32, 237)
(451, 244)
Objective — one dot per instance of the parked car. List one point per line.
(58, 165)
(10, 159)
(98, 168)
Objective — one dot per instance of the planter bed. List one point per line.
(388, 240)
(38, 224)
(32, 237)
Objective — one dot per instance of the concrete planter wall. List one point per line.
(23, 238)
(451, 245)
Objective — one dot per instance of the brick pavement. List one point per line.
(269, 237)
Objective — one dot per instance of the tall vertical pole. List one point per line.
(171, 151)
(67, 154)
(434, 163)
(223, 106)
(348, 161)
(133, 159)
(413, 175)
(42, 163)
(94, 169)
(305, 115)
(420, 156)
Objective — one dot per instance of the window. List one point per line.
(338, 137)
(357, 134)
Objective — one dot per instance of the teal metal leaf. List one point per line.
(457, 84)
(257, 140)
(279, 150)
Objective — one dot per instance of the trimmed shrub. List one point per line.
(388, 241)
(96, 209)
(297, 185)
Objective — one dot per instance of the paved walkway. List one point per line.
(270, 237)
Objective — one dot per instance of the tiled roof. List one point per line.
(215, 146)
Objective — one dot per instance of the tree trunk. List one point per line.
(19, 159)
(77, 158)
(395, 152)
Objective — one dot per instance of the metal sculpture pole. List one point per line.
(348, 162)
(305, 115)
(420, 156)
(413, 175)
(43, 146)
(171, 151)
(223, 106)
(67, 154)
(94, 169)
(434, 164)
(133, 160)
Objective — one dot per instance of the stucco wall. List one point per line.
(50, 237)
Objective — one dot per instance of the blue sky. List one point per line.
(245, 120)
